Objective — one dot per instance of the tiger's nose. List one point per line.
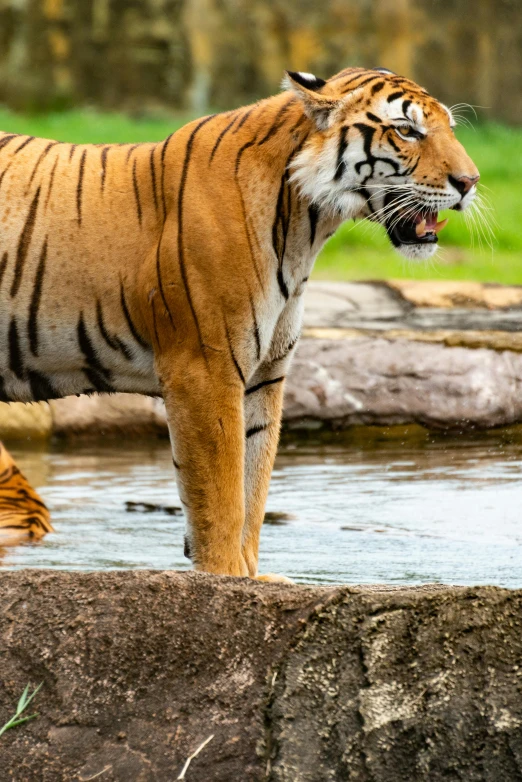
(464, 183)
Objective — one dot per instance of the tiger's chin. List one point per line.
(417, 252)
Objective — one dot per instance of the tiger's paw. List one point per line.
(274, 578)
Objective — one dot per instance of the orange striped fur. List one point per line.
(178, 268)
(23, 515)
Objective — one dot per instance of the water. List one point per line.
(365, 509)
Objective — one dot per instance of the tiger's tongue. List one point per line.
(429, 218)
(428, 224)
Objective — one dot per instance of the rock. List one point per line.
(295, 684)
(456, 293)
(19, 421)
(119, 414)
(376, 381)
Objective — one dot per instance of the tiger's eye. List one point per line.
(405, 130)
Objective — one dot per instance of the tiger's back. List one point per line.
(77, 220)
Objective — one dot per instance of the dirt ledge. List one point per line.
(297, 684)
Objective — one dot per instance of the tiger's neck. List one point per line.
(296, 228)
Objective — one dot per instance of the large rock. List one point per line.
(295, 684)
(366, 380)
(20, 421)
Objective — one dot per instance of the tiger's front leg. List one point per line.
(263, 413)
(263, 410)
(205, 413)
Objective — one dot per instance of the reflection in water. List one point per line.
(360, 510)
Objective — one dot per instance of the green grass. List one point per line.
(23, 703)
(362, 250)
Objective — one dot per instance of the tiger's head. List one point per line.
(384, 149)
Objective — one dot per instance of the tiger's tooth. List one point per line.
(440, 225)
(420, 228)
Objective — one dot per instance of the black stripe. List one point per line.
(132, 327)
(243, 119)
(394, 95)
(405, 106)
(88, 350)
(373, 117)
(26, 142)
(113, 342)
(104, 153)
(154, 324)
(16, 364)
(392, 143)
(256, 430)
(98, 382)
(23, 244)
(368, 132)
(233, 356)
(130, 151)
(3, 264)
(163, 153)
(4, 172)
(51, 181)
(278, 121)
(181, 252)
(42, 155)
(377, 87)
(4, 141)
(41, 388)
(220, 138)
(341, 149)
(264, 383)
(136, 191)
(240, 153)
(32, 324)
(160, 285)
(282, 284)
(245, 217)
(255, 327)
(313, 215)
(362, 83)
(72, 149)
(299, 122)
(277, 218)
(3, 393)
(153, 177)
(79, 187)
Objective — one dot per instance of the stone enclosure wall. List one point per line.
(141, 55)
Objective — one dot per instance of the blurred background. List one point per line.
(132, 70)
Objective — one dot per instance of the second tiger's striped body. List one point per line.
(178, 269)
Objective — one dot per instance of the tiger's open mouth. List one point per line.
(412, 227)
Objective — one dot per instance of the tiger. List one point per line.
(23, 514)
(177, 269)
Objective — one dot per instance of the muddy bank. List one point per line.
(294, 684)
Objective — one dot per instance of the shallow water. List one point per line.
(365, 510)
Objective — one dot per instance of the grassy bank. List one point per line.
(359, 251)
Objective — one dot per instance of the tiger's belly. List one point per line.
(71, 358)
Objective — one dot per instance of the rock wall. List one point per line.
(196, 54)
(293, 684)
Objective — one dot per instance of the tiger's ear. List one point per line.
(318, 106)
